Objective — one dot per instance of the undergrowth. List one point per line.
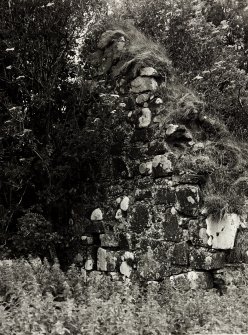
(38, 298)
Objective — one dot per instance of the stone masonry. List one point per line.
(145, 220)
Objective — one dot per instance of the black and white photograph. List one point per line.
(123, 167)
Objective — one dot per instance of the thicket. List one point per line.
(38, 298)
(47, 92)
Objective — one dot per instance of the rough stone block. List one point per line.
(239, 254)
(107, 260)
(140, 218)
(188, 200)
(142, 98)
(145, 119)
(165, 196)
(192, 280)
(180, 254)
(222, 233)
(198, 232)
(141, 194)
(153, 260)
(172, 230)
(143, 84)
(190, 178)
(203, 259)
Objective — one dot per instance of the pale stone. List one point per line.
(148, 72)
(159, 101)
(96, 215)
(222, 233)
(192, 280)
(118, 214)
(88, 265)
(146, 118)
(143, 84)
(145, 168)
(191, 200)
(118, 200)
(101, 259)
(125, 269)
(125, 204)
(171, 129)
(128, 255)
(163, 163)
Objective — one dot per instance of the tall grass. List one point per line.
(37, 298)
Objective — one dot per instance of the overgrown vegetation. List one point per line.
(48, 92)
(41, 299)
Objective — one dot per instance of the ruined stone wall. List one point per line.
(144, 217)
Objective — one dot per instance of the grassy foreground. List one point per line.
(37, 298)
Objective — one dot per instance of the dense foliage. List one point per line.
(38, 298)
(44, 104)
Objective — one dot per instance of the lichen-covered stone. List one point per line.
(167, 223)
(190, 178)
(165, 196)
(109, 240)
(145, 119)
(140, 218)
(172, 230)
(143, 84)
(180, 254)
(222, 233)
(142, 98)
(162, 165)
(188, 200)
(202, 259)
(153, 260)
(192, 280)
(96, 215)
(142, 194)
